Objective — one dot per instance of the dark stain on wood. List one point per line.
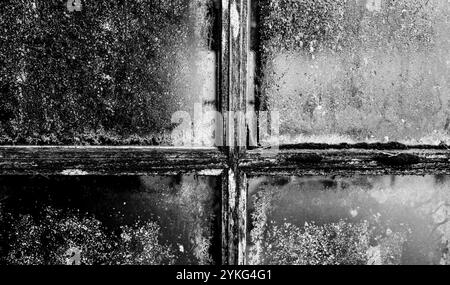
(347, 162)
(366, 146)
(400, 160)
(304, 158)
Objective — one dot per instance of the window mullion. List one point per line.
(235, 19)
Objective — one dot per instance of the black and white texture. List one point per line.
(216, 132)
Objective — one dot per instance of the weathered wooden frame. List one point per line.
(233, 162)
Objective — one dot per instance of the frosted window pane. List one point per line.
(359, 220)
(105, 72)
(109, 220)
(355, 71)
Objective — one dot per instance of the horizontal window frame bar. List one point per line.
(364, 146)
(346, 162)
(101, 161)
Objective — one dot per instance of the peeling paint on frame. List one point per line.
(235, 20)
(210, 172)
(74, 172)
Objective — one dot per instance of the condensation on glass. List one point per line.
(109, 220)
(354, 71)
(380, 220)
(107, 72)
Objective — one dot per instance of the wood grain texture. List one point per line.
(224, 68)
(347, 162)
(27, 160)
(242, 219)
(235, 38)
(234, 218)
(225, 219)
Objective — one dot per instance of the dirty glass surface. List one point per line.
(354, 71)
(109, 220)
(106, 72)
(382, 220)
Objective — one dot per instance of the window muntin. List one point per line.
(149, 220)
(107, 72)
(348, 220)
(354, 71)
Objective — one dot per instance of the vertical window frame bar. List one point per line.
(235, 19)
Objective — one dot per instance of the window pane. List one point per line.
(110, 72)
(109, 220)
(355, 71)
(359, 220)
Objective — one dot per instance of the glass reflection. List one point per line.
(385, 220)
(109, 220)
(108, 72)
(354, 71)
